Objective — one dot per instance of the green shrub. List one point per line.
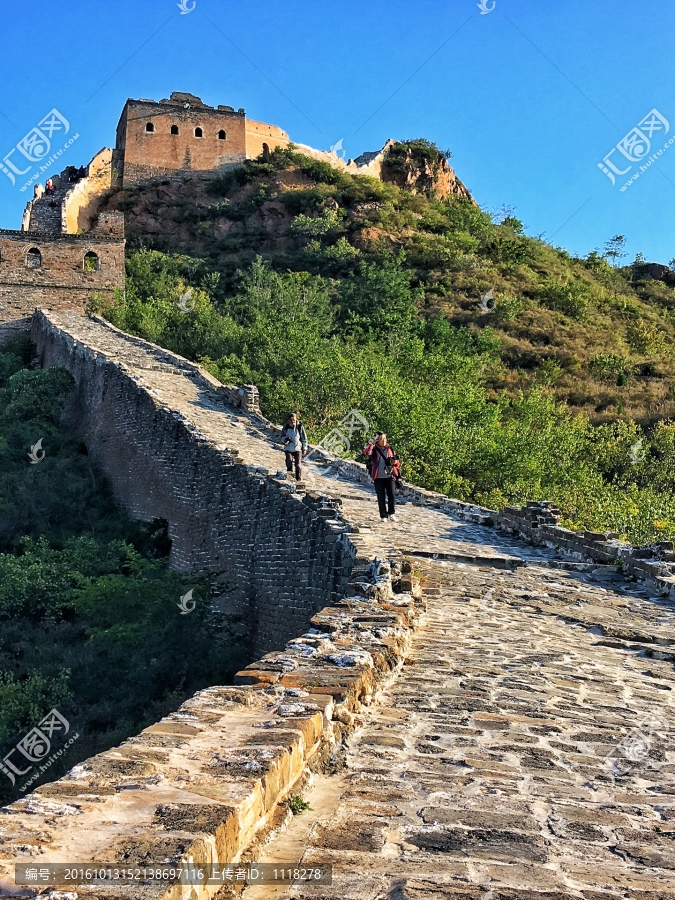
(89, 618)
(574, 299)
(316, 226)
(507, 309)
(609, 367)
(644, 336)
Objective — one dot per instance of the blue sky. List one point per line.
(529, 97)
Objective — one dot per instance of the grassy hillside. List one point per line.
(331, 292)
(601, 338)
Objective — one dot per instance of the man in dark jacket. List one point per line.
(384, 468)
(294, 439)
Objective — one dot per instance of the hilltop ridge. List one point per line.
(599, 337)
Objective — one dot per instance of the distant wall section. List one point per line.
(83, 200)
(262, 138)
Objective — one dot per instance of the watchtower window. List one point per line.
(199, 132)
(266, 149)
(149, 126)
(221, 135)
(91, 262)
(174, 129)
(33, 258)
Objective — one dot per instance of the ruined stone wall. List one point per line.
(259, 135)
(225, 518)
(537, 522)
(61, 281)
(9, 331)
(82, 202)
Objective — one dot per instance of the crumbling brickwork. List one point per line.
(83, 200)
(261, 138)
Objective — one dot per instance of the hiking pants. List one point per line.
(294, 456)
(384, 488)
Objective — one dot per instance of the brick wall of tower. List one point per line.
(147, 154)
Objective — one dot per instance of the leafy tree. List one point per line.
(615, 249)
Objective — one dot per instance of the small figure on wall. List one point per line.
(294, 439)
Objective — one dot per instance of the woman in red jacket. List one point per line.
(384, 468)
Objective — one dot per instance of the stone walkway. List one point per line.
(420, 528)
(524, 752)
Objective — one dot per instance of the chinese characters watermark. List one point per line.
(337, 441)
(35, 746)
(635, 147)
(35, 147)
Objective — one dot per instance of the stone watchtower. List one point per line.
(183, 134)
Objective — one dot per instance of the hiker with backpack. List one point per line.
(384, 467)
(294, 439)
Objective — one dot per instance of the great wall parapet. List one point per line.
(213, 779)
(537, 522)
(222, 517)
(209, 780)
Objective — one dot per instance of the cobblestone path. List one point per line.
(522, 753)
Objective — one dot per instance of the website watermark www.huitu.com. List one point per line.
(35, 746)
(644, 168)
(35, 148)
(635, 147)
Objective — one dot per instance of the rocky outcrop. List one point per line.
(420, 168)
(654, 272)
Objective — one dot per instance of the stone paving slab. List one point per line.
(518, 755)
